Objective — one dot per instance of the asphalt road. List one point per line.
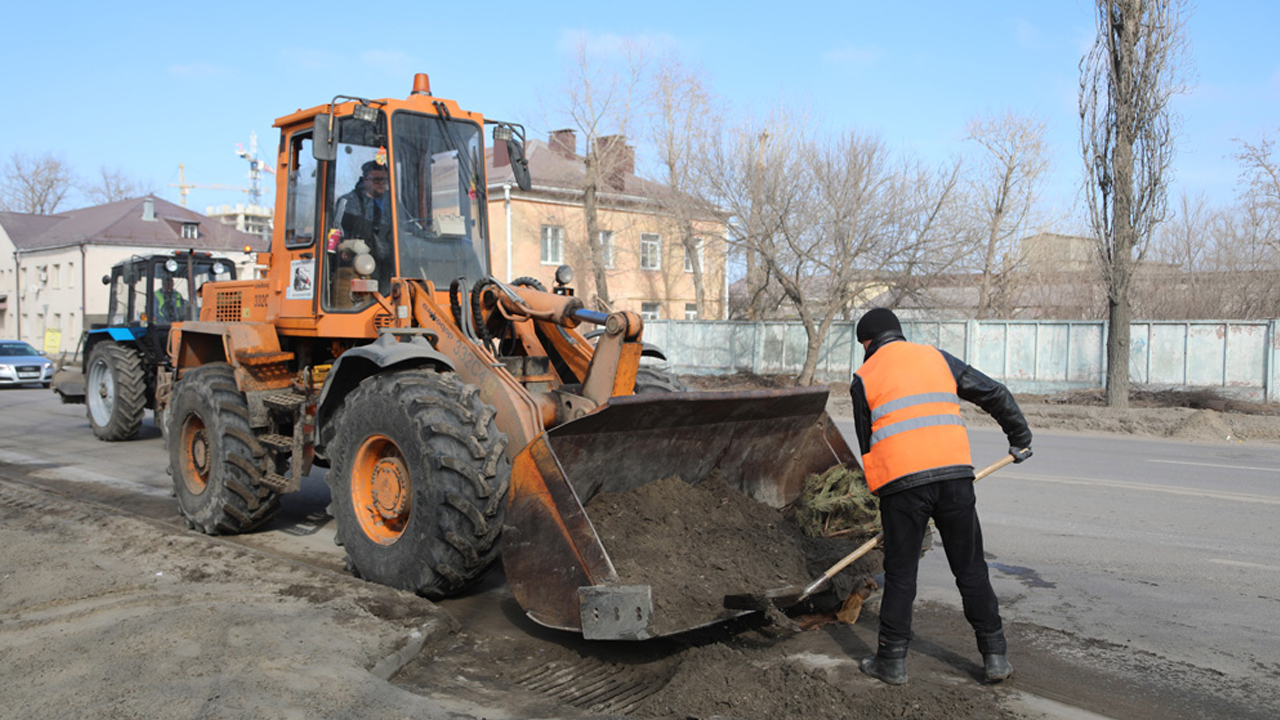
(1132, 547)
(1159, 546)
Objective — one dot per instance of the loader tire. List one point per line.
(115, 392)
(215, 461)
(652, 380)
(418, 482)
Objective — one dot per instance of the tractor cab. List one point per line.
(147, 295)
(160, 290)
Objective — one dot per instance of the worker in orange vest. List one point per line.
(915, 453)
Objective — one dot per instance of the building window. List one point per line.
(190, 231)
(57, 275)
(650, 251)
(552, 245)
(688, 259)
(651, 311)
(606, 248)
(691, 311)
(71, 274)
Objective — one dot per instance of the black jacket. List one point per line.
(971, 385)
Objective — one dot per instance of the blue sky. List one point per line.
(142, 87)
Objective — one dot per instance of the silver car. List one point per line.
(21, 364)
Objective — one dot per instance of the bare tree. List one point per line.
(111, 186)
(681, 105)
(1005, 182)
(599, 99)
(1127, 138)
(35, 185)
(1260, 191)
(830, 221)
(1211, 263)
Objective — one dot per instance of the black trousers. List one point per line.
(904, 515)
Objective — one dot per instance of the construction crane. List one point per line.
(256, 167)
(184, 187)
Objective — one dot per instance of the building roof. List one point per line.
(561, 170)
(123, 223)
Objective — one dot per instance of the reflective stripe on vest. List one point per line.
(915, 413)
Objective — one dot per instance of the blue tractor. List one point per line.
(119, 366)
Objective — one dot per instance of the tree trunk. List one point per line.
(690, 241)
(603, 303)
(1118, 352)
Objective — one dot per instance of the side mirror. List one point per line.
(519, 164)
(106, 279)
(325, 143)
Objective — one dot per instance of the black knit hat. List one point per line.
(875, 322)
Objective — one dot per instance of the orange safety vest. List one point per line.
(915, 413)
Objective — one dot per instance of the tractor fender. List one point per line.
(122, 335)
(353, 366)
(652, 351)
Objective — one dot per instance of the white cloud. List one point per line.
(605, 45)
(392, 62)
(853, 57)
(310, 58)
(198, 70)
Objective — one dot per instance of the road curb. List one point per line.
(417, 639)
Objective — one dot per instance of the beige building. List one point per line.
(51, 266)
(532, 233)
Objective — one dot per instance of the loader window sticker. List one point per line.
(301, 280)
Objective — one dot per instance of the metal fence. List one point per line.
(1234, 358)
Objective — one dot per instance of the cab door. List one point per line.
(296, 287)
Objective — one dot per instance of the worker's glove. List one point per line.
(1019, 454)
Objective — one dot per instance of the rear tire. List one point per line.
(214, 459)
(115, 392)
(419, 482)
(652, 380)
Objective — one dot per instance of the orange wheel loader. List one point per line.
(460, 418)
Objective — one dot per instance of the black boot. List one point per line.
(889, 664)
(994, 648)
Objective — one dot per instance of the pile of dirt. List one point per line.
(695, 544)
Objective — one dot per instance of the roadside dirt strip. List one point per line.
(108, 615)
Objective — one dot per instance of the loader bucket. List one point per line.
(763, 443)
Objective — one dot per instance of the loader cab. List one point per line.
(402, 196)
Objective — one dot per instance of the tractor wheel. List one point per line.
(419, 482)
(115, 392)
(652, 380)
(214, 459)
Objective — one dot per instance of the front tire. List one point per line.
(419, 482)
(115, 392)
(215, 461)
(652, 380)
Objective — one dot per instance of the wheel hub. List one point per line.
(389, 483)
(198, 460)
(381, 489)
(200, 452)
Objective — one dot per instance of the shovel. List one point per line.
(785, 597)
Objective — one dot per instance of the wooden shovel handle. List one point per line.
(868, 545)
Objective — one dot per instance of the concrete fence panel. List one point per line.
(1236, 358)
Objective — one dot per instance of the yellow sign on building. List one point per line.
(52, 340)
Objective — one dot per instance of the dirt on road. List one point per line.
(109, 614)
